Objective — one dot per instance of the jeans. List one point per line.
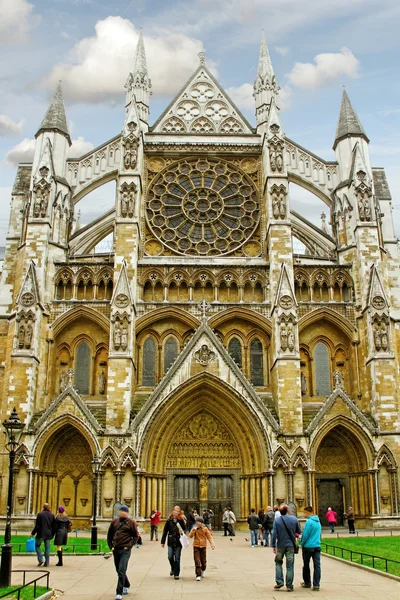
(280, 553)
(154, 532)
(315, 554)
(267, 536)
(121, 559)
(332, 526)
(174, 557)
(200, 559)
(38, 543)
(254, 537)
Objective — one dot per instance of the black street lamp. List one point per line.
(96, 463)
(14, 430)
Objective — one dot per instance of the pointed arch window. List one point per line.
(256, 362)
(235, 350)
(322, 370)
(82, 368)
(170, 352)
(149, 363)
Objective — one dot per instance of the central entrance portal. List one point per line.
(220, 496)
(186, 492)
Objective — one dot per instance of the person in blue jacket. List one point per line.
(311, 548)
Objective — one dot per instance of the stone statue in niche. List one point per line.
(36, 206)
(21, 335)
(117, 336)
(63, 380)
(338, 380)
(203, 486)
(130, 156)
(284, 337)
(124, 338)
(205, 355)
(275, 207)
(276, 158)
(28, 335)
(128, 193)
(384, 337)
(377, 337)
(282, 205)
(303, 379)
(279, 202)
(291, 343)
(102, 383)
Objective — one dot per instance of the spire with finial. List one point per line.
(265, 85)
(55, 118)
(202, 57)
(138, 85)
(349, 125)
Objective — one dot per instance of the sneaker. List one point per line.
(198, 578)
(125, 591)
(176, 577)
(305, 585)
(278, 586)
(171, 573)
(203, 573)
(316, 589)
(40, 563)
(118, 597)
(290, 589)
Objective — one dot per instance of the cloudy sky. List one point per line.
(316, 47)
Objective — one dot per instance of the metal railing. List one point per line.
(17, 591)
(379, 563)
(21, 547)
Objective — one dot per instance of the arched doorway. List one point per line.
(205, 447)
(341, 474)
(65, 475)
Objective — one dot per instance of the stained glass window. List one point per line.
(256, 362)
(170, 352)
(235, 350)
(149, 363)
(322, 370)
(82, 368)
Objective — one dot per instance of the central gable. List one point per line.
(202, 107)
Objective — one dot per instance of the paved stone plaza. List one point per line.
(235, 570)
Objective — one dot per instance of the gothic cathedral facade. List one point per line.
(202, 361)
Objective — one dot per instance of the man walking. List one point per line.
(268, 525)
(311, 548)
(254, 524)
(122, 535)
(231, 522)
(44, 531)
(283, 544)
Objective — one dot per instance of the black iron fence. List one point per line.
(380, 563)
(16, 592)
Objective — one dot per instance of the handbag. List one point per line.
(296, 547)
(183, 538)
(30, 545)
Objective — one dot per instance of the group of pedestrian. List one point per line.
(228, 521)
(261, 525)
(286, 543)
(47, 527)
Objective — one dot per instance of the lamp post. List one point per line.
(95, 470)
(14, 429)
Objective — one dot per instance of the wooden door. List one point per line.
(330, 495)
(220, 496)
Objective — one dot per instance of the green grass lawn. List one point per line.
(26, 593)
(383, 547)
(76, 545)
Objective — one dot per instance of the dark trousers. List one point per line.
(231, 529)
(174, 557)
(315, 554)
(200, 559)
(121, 559)
(351, 526)
(226, 529)
(154, 532)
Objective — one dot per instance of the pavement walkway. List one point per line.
(235, 571)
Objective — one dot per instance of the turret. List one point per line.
(138, 84)
(349, 131)
(265, 85)
(55, 128)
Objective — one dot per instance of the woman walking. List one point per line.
(62, 526)
(174, 527)
(331, 516)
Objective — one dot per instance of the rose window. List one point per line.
(202, 207)
(188, 110)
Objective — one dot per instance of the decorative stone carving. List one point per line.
(130, 144)
(378, 302)
(204, 356)
(276, 157)
(203, 484)
(28, 335)
(70, 377)
(128, 199)
(278, 201)
(338, 380)
(121, 300)
(283, 332)
(117, 336)
(291, 342)
(63, 380)
(25, 330)
(380, 334)
(303, 384)
(102, 383)
(286, 302)
(121, 332)
(27, 299)
(124, 337)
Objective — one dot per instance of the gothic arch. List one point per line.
(329, 315)
(386, 456)
(310, 187)
(299, 458)
(281, 459)
(72, 315)
(166, 313)
(241, 313)
(109, 458)
(208, 393)
(93, 184)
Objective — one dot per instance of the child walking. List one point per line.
(200, 534)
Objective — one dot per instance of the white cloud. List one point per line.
(243, 96)
(282, 50)
(328, 68)
(24, 151)
(16, 20)
(99, 65)
(10, 127)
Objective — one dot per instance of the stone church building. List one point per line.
(202, 360)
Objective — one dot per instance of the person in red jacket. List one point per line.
(154, 522)
(331, 516)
